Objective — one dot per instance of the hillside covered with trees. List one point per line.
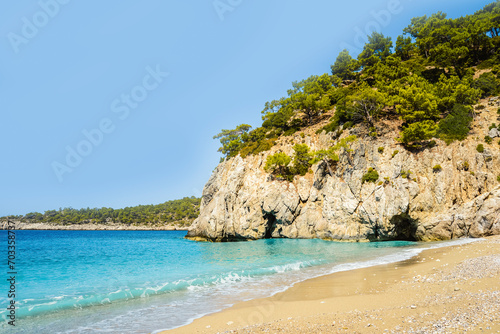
(177, 212)
(427, 81)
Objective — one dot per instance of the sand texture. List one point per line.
(447, 290)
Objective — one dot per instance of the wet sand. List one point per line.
(454, 289)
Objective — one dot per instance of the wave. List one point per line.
(211, 292)
(401, 255)
(31, 307)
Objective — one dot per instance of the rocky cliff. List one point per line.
(462, 199)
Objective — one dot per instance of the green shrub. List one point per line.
(380, 150)
(257, 147)
(302, 135)
(332, 126)
(290, 131)
(456, 125)
(437, 168)
(492, 126)
(328, 156)
(406, 174)
(489, 63)
(472, 173)
(480, 148)
(498, 178)
(277, 164)
(381, 183)
(394, 153)
(487, 83)
(495, 69)
(301, 159)
(347, 125)
(488, 139)
(480, 107)
(418, 131)
(498, 111)
(370, 176)
(432, 143)
(465, 165)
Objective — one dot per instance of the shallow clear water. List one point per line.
(145, 281)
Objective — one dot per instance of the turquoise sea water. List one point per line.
(146, 281)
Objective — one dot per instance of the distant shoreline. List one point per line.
(90, 227)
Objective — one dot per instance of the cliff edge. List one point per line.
(411, 200)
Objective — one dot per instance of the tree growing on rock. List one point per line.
(301, 159)
(377, 49)
(311, 96)
(278, 164)
(232, 140)
(345, 67)
(404, 47)
(329, 157)
(456, 125)
(417, 100)
(365, 105)
(418, 131)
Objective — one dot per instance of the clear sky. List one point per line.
(115, 103)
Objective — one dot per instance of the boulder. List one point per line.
(494, 133)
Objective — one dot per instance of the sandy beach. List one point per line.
(446, 290)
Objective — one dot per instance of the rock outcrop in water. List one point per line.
(462, 199)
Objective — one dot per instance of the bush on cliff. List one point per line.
(437, 168)
(488, 84)
(456, 125)
(301, 159)
(278, 165)
(427, 81)
(370, 176)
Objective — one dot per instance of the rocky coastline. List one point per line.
(91, 227)
(412, 200)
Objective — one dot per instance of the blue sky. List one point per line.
(115, 103)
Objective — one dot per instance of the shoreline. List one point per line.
(451, 288)
(90, 227)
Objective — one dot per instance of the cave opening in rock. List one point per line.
(405, 227)
(270, 225)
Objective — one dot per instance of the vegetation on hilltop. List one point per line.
(425, 81)
(178, 212)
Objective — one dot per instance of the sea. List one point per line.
(148, 281)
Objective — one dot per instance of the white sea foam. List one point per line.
(31, 308)
(172, 304)
(290, 267)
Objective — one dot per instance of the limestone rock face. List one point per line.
(243, 202)
(494, 133)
